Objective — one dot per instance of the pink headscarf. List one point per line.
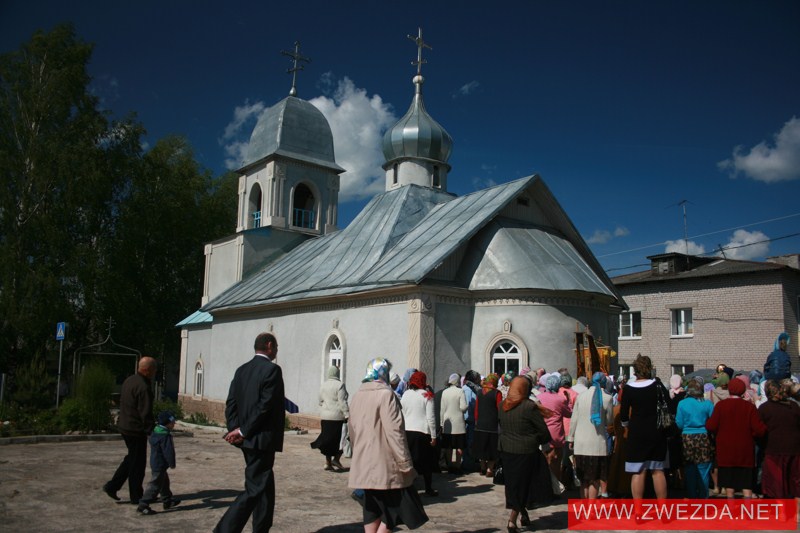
(675, 385)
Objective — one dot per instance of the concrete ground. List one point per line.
(56, 486)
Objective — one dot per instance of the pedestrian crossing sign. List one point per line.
(61, 330)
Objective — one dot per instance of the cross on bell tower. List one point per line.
(295, 55)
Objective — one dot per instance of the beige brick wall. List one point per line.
(736, 320)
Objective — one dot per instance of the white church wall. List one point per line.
(453, 346)
(223, 266)
(547, 331)
(378, 330)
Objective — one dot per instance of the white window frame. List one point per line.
(627, 370)
(678, 322)
(680, 369)
(506, 350)
(199, 380)
(335, 353)
(630, 324)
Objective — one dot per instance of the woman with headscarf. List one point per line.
(698, 450)
(646, 448)
(756, 377)
(418, 412)
(454, 429)
(592, 413)
(780, 477)
(527, 480)
(484, 444)
(736, 425)
(403, 385)
(779, 364)
(558, 403)
(382, 464)
(472, 387)
(505, 381)
(720, 391)
(333, 413)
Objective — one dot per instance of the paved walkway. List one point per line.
(55, 486)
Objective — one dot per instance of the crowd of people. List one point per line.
(536, 433)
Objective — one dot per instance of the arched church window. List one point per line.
(198, 379)
(437, 180)
(506, 357)
(303, 212)
(335, 353)
(254, 207)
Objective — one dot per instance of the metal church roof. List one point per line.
(403, 235)
(293, 128)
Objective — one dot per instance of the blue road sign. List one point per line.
(61, 330)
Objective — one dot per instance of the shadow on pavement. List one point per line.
(209, 499)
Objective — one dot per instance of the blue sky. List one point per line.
(625, 108)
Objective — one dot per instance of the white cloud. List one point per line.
(244, 119)
(358, 123)
(602, 236)
(680, 246)
(742, 245)
(780, 162)
(467, 89)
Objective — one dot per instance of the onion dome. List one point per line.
(417, 135)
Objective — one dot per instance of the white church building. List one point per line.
(495, 280)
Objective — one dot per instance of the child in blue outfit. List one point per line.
(162, 457)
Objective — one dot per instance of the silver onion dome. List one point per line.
(417, 134)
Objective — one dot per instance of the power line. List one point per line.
(701, 235)
(721, 249)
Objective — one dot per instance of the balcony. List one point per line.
(303, 218)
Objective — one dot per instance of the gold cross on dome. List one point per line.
(420, 45)
(295, 55)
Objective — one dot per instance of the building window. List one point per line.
(335, 354)
(394, 174)
(198, 379)
(626, 371)
(506, 358)
(630, 325)
(681, 370)
(437, 180)
(682, 323)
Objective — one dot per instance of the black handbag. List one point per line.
(499, 477)
(665, 419)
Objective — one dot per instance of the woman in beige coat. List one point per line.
(381, 463)
(333, 413)
(454, 428)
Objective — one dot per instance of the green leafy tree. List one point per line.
(65, 166)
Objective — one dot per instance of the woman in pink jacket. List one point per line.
(381, 463)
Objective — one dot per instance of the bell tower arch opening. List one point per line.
(304, 207)
(254, 207)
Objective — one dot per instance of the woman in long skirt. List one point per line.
(382, 464)
(333, 413)
(527, 478)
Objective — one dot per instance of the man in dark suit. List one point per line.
(255, 416)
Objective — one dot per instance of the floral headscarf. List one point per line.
(378, 370)
(401, 387)
(553, 382)
(490, 381)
